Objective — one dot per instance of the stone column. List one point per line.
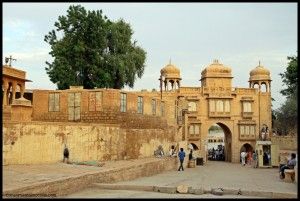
(5, 86)
(13, 92)
(22, 90)
(167, 85)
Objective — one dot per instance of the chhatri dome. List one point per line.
(170, 71)
(216, 69)
(260, 73)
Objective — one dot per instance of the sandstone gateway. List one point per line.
(109, 124)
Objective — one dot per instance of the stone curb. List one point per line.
(198, 191)
(123, 187)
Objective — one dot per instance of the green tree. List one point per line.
(286, 117)
(290, 77)
(93, 51)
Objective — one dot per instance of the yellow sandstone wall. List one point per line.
(43, 142)
(285, 142)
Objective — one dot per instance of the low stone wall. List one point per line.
(72, 184)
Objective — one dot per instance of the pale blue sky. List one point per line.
(192, 34)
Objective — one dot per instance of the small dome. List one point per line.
(216, 69)
(260, 73)
(170, 71)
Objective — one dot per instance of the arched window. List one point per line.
(256, 85)
(264, 87)
(220, 106)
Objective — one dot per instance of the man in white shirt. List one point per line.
(243, 156)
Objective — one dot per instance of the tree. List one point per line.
(93, 51)
(290, 77)
(286, 120)
(286, 117)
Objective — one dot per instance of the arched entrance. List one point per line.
(193, 146)
(219, 142)
(248, 149)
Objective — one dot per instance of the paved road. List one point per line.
(213, 174)
(216, 174)
(99, 193)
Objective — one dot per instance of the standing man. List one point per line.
(66, 154)
(181, 156)
(243, 156)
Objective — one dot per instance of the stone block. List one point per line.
(289, 175)
(231, 191)
(182, 189)
(278, 195)
(197, 191)
(165, 189)
(217, 191)
(265, 194)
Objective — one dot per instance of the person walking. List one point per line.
(181, 155)
(243, 156)
(254, 156)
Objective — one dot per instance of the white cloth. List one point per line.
(243, 156)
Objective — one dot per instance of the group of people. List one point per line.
(250, 158)
(216, 154)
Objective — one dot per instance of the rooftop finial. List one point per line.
(170, 61)
(259, 63)
(9, 59)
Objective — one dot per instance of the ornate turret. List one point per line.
(216, 74)
(170, 74)
(260, 75)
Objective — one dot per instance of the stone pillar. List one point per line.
(13, 92)
(5, 86)
(167, 85)
(22, 90)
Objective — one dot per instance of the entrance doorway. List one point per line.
(249, 150)
(219, 143)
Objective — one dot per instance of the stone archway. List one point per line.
(246, 147)
(195, 147)
(227, 141)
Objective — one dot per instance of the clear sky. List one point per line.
(191, 34)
